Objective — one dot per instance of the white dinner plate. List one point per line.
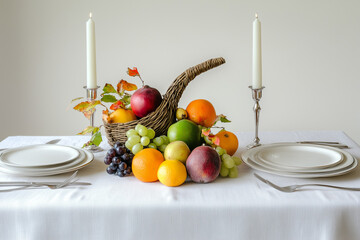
(348, 164)
(299, 156)
(39, 155)
(47, 168)
(89, 157)
(343, 164)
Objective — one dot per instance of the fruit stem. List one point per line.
(104, 106)
(222, 128)
(142, 81)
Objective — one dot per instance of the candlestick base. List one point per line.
(91, 95)
(94, 148)
(256, 95)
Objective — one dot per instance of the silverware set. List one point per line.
(18, 185)
(52, 185)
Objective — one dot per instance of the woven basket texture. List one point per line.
(161, 119)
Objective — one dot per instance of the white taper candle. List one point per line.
(90, 53)
(257, 67)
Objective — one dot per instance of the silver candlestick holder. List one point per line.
(91, 95)
(256, 95)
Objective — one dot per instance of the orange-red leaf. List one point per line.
(216, 140)
(117, 105)
(125, 86)
(133, 72)
(106, 116)
(88, 113)
(206, 132)
(213, 138)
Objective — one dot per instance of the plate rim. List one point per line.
(88, 160)
(81, 158)
(302, 146)
(338, 172)
(306, 175)
(8, 151)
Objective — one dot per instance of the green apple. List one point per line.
(177, 150)
(186, 131)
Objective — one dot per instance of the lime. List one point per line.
(186, 131)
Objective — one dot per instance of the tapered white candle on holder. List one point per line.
(257, 86)
(90, 53)
(257, 67)
(91, 84)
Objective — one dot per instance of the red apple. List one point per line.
(203, 164)
(145, 100)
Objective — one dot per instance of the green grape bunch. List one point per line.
(142, 137)
(228, 163)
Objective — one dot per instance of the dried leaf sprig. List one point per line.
(119, 97)
(210, 138)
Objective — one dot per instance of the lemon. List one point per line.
(172, 173)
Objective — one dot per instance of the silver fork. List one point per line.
(60, 185)
(324, 143)
(70, 180)
(293, 188)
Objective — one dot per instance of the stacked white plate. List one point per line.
(43, 160)
(300, 160)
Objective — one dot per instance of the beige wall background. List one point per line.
(310, 59)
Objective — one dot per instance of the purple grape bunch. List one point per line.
(119, 159)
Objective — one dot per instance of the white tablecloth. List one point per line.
(125, 208)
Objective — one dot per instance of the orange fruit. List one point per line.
(145, 164)
(201, 112)
(172, 173)
(228, 141)
(121, 115)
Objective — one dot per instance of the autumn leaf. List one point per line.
(88, 114)
(89, 129)
(108, 88)
(117, 105)
(86, 106)
(75, 99)
(133, 72)
(206, 132)
(126, 100)
(222, 118)
(216, 140)
(209, 137)
(108, 98)
(125, 86)
(96, 139)
(106, 116)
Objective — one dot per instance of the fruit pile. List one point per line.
(189, 149)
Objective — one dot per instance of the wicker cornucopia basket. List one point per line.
(161, 119)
